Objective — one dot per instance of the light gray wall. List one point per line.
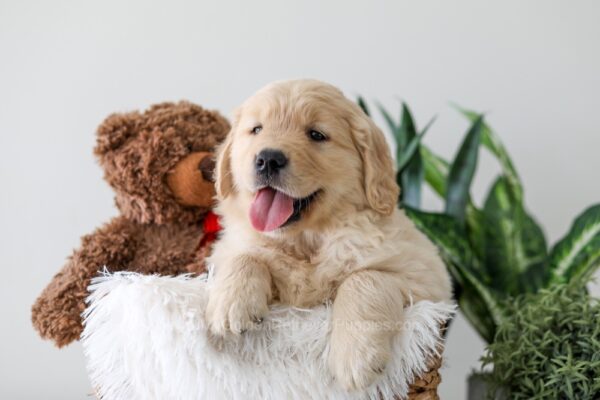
(534, 65)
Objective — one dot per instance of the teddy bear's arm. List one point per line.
(197, 267)
(56, 314)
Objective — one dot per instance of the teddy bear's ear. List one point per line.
(115, 130)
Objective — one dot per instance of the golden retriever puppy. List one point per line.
(307, 196)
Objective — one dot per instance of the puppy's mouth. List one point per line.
(272, 209)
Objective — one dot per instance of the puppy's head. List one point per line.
(300, 153)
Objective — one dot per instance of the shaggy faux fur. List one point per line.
(145, 338)
(155, 233)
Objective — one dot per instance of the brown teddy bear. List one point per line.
(160, 165)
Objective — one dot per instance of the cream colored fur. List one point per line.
(352, 246)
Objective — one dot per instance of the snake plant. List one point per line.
(495, 251)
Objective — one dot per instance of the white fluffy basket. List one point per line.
(145, 338)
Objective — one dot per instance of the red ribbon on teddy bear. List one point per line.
(212, 227)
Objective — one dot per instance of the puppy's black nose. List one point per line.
(270, 161)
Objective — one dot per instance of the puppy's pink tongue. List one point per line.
(270, 209)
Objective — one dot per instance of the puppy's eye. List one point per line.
(316, 136)
(256, 129)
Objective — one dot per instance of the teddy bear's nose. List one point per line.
(207, 168)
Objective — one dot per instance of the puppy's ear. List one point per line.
(223, 178)
(380, 185)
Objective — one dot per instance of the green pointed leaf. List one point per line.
(407, 154)
(475, 231)
(395, 129)
(536, 273)
(577, 255)
(449, 236)
(436, 171)
(515, 245)
(407, 128)
(462, 172)
(412, 181)
(491, 141)
(445, 233)
(534, 278)
(412, 175)
(485, 299)
(412, 147)
(476, 312)
(363, 105)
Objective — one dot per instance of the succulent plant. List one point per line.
(549, 346)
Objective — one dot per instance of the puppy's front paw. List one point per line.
(356, 359)
(235, 310)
